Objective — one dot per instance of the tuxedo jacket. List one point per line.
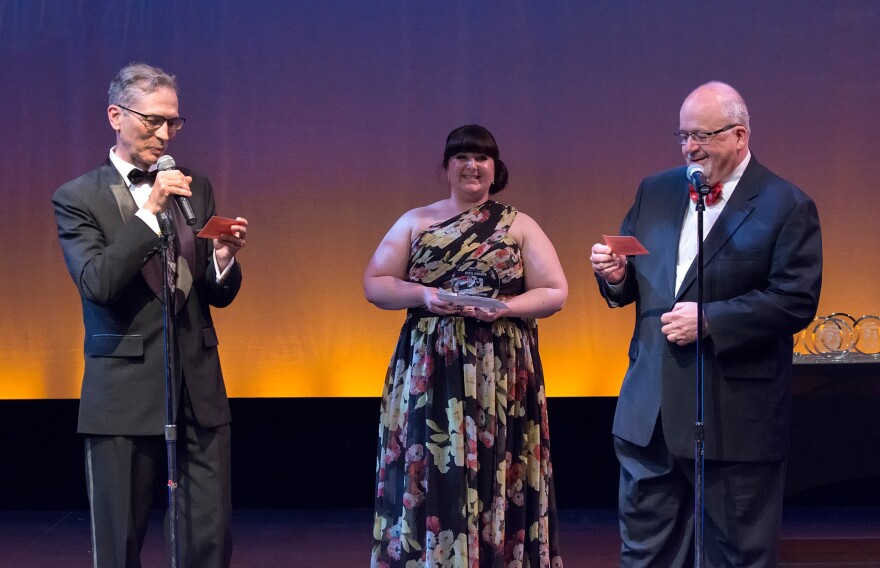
(111, 255)
(762, 277)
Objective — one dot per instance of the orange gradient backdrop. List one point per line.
(323, 122)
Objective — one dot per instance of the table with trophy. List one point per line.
(836, 405)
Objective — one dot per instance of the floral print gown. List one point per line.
(463, 472)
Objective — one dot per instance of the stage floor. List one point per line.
(812, 538)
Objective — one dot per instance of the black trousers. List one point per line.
(125, 476)
(742, 503)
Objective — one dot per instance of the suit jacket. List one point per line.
(762, 276)
(107, 250)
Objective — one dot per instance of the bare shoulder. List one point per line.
(415, 221)
(421, 218)
(524, 227)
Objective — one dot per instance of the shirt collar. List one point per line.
(728, 185)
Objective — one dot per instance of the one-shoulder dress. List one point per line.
(464, 477)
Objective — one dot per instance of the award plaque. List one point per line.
(477, 278)
(868, 341)
(833, 337)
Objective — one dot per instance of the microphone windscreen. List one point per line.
(166, 163)
(692, 169)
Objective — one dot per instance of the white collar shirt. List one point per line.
(687, 241)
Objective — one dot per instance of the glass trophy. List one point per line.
(833, 337)
(800, 351)
(806, 338)
(868, 341)
(845, 317)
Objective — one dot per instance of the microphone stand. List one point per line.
(166, 227)
(699, 431)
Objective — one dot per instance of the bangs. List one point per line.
(472, 139)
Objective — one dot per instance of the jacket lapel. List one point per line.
(152, 269)
(121, 193)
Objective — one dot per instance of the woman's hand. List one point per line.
(484, 314)
(436, 305)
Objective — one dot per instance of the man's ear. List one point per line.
(742, 138)
(114, 115)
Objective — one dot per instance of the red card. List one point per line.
(217, 226)
(625, 245)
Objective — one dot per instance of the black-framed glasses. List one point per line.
(698, 136)
(155, 122)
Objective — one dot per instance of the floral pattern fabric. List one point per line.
(464, 478)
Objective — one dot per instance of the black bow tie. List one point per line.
(138, 177)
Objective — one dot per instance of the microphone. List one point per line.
(166, 163)
(695, 174)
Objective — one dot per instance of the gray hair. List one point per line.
(138, 79)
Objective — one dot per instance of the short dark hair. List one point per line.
(138, 79)
(473, 138)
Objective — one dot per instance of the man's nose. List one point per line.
(690, 146)
(163, 132)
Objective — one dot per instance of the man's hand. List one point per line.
(681, 324)
(168, 184)
(611, 267)
(227, 245)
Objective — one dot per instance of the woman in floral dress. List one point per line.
(464, 477)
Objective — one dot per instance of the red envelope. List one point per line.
(217, 226)
(625, 245)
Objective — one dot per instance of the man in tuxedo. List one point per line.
(109, 229)
(762, 276)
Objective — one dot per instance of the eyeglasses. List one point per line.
(155, 122)
(699, 137)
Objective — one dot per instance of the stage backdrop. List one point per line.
(322, 122)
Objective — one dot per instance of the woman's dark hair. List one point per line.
(473, 138)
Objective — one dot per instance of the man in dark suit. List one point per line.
(762, 276)
(110, 233)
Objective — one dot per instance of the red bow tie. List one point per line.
(712, 198)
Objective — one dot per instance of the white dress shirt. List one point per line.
(687, 241)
